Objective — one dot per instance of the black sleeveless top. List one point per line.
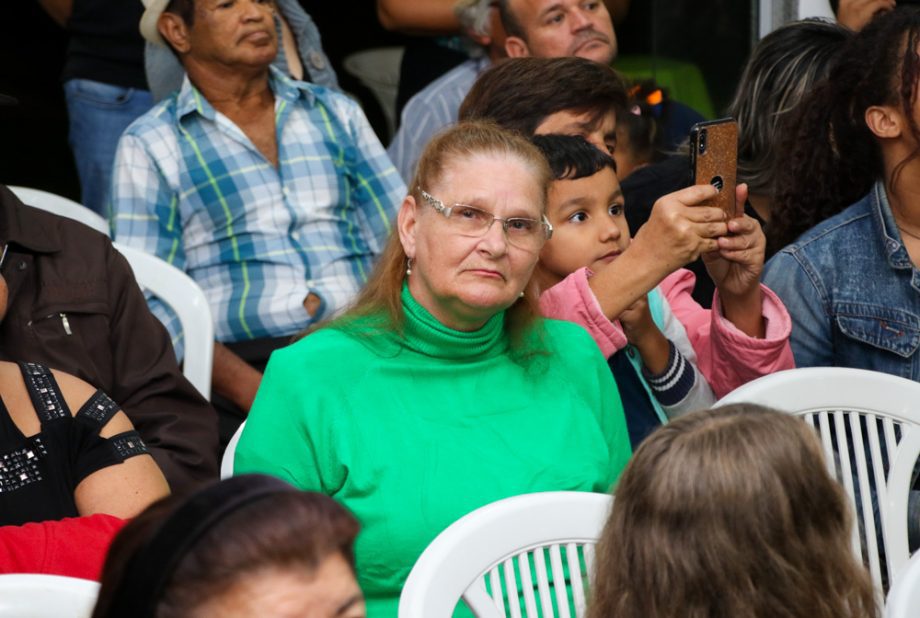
(38, 474)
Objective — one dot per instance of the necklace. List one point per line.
(908, 232)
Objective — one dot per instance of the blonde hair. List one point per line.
(380, 300)
(729, 512)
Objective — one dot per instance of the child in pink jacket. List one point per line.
(668, 355)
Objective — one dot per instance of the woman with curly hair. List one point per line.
(729, 512)
(851, 282)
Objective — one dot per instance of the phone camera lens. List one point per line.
(702, 143)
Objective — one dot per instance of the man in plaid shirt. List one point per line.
(274, 195)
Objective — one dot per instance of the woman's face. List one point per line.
(463, 280)
(330, 591)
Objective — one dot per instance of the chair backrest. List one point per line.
(46, 596)
(482, 557)
(183, 295)
(869, 425)
(904, 598)
(61, 206)
(226, 463)
(378, 69)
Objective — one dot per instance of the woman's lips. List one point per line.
(485, 272)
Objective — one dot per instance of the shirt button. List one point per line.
(316, 59)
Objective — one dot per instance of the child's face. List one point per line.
(589, 227)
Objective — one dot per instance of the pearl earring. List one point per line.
(408, 266)
(521, 295)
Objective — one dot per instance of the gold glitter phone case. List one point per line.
(714, 160)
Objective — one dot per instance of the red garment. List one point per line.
(75, 547)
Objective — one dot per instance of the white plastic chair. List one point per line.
(881, 414)
(62, 206)
(500, 540)
(904, 597)
(226, 464)
(180, 292)
(46, 596)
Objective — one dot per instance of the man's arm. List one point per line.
(145, 212)
(58, 10)
(423, 17)
(233, 378)
(855, 14)
(179, 426)
(380, 189)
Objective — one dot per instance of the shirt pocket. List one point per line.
(76, 338)
(891, 335)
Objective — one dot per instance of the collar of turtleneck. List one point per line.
(423, 333)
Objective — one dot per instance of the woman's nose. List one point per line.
(495, 240)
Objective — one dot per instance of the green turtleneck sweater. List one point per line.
(412, 432)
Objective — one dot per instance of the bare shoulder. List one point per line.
(76, 392)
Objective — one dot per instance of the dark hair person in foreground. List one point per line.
(248, 546)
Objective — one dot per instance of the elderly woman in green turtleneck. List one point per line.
(442, 390)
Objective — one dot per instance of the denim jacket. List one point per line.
(852, 292)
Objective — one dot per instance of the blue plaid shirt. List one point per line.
(191, 188)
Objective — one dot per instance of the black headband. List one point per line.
(151, 568)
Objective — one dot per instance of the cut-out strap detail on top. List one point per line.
(44, 392)
(100, 408)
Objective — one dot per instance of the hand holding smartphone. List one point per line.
(714, 160)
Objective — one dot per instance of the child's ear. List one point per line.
(884, 121)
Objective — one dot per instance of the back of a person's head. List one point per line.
(729, 512)
(783, 68)
(829, 156)
(519, 93)
(184, 552)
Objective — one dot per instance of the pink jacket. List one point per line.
(726, 357)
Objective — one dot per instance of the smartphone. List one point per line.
(714, 160)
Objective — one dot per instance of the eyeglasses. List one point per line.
(523, 233)
(3, 255)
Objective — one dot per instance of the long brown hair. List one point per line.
(378, 304)
(830, 158)
(729, 512)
